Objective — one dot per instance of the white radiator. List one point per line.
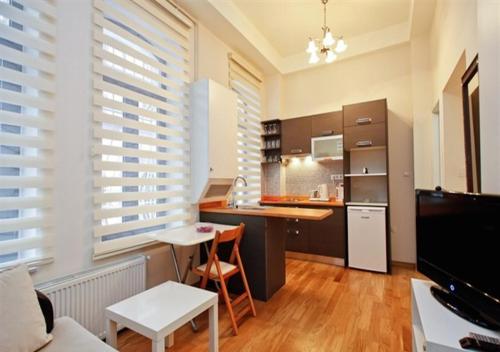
(84, 296)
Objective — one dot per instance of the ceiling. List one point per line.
(272, 34)
(288, 23)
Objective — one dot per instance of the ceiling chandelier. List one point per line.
(326, 45)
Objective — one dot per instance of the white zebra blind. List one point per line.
(141, 126)
(248, 87)
(27, 50)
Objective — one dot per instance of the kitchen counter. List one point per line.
(313, 203)
(274, 212)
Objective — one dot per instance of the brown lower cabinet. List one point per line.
(325, 237)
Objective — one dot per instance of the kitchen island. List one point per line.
(263, 245)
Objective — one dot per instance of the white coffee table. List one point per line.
(156, 313)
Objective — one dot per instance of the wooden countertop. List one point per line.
(274, 212)
(335, 203)
(299, 200)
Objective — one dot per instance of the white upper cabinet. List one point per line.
(214, 128)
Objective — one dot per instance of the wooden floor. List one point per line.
(321, 308)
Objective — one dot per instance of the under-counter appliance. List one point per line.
(366, 238)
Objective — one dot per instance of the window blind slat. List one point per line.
(139, 26)
(174, 77)
(27, 59)
(119, 166)
(23, 99)
(138, 181)
(40, 122)
(27, 80)
(129, 94)
(100, 231)
(23, 182)
(26, 161)
(10, 203)
(28, 40)
(16, 224)
(154, 76)
(170, 19)
(27, 19)
(177, 61)
(138, 82)
(33, 242)
(113, 213)
(120, 121)
(129, 196)
(101, 101)
(110, 150)
(25, 141)
(43, 7)
(128, 137)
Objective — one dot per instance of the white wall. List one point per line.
(382, 74)
(212, 57)
(489, 80)
(466, 27)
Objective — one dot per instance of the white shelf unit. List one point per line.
(363, 149)
(434, 327)
(367, 175)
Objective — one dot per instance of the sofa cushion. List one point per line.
(23, 325)
(47, 310)
(69, 336)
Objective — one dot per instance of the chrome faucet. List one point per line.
(232, 203)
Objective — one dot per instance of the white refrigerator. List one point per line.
(366, 238)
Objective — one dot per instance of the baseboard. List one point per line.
(315, 258)
(405, 265)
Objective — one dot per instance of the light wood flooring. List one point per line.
(321, 308)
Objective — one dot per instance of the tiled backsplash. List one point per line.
(299, 177)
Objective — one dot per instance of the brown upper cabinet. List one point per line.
(326, 124)
(296, 136)
(368, 113)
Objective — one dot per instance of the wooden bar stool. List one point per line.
(221, 271)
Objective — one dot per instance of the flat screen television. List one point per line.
(458, 247)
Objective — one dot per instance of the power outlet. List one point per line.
(336, 177)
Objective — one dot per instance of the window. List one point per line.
(247, 84)
(27, 48)
(141, 122)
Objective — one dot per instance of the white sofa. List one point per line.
(69, 336)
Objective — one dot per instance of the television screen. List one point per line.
(458, 246)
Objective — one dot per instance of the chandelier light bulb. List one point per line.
(329, 45)
(314, 58)
(330, 56)
(328, 40)
(311, 47)
(341, 46)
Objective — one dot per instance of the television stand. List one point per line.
(435, 328)
(461, 308)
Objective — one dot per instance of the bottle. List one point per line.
(339, 191)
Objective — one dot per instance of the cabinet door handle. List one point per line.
(366, 143)
(297, 232)
(296, 151)
(296, 220)
(211, 169)
(363, 120)
(365, 217)
(326, 132)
